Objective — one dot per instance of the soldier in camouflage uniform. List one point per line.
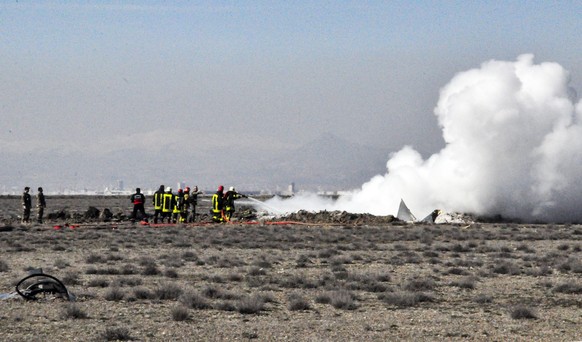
(40, 205)
(26, 205)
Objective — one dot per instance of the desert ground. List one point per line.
(325, 277)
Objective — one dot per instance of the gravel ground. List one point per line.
(489, 282)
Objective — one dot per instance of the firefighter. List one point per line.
(40, 205)
(26, 205)
(229, 198)
(185, 205)
(167, 205)
(178, 205)
(158, 201)
(193, 199)
(138, 200)
(217, 205)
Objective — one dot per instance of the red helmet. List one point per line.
(220, 188)
(179, 190)
(187, 189)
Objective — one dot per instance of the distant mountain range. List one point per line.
(328, 163)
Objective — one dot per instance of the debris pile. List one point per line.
(338, 217)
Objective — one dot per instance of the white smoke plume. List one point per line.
(513, 146)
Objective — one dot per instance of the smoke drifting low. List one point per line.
(513, 134)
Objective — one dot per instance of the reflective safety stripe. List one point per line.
(215, 208)
(158, 200)
(167, 203)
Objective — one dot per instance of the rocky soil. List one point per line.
(331, 277)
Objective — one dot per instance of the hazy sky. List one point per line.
(81, 75)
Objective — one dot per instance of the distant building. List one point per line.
(289, 191)
(120, 185)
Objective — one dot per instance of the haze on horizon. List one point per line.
(83, 79)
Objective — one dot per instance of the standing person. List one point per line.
(167, 205)
(40, 205)
(229, 198)
(217, 205)
(26, 205)
(138, 200)
(193, 199)
(185, 205)
(158, 201)
(177, 207)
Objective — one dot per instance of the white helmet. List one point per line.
(231, 188)
(169, 189)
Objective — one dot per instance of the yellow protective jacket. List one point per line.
(217, 202)
(168, 203)
(158, 200)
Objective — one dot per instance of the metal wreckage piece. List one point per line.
(38, 284)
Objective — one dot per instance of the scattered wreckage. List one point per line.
(38, 285)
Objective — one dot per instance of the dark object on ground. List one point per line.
(46, 284)
(338, 217)
(6, 229)
(106, 215)
(92, 213)
(59, 215)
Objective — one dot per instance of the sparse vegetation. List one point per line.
(99, 282)
(252, 274)
(171, 273)
(168, 291)
(523, 312)
(71, 278)
(114, 294)
(194, 300)
(342, 299)
(250, 304)
(73, 311)
(142, 293)
(4, 266)
(180, 313)
(569, 287)
(297, 302)
(404, 299)
(464, 283)
(419, 284)
(150, 270)
(483, 299)
(117, 334)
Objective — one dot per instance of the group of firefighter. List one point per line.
(181, 207)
